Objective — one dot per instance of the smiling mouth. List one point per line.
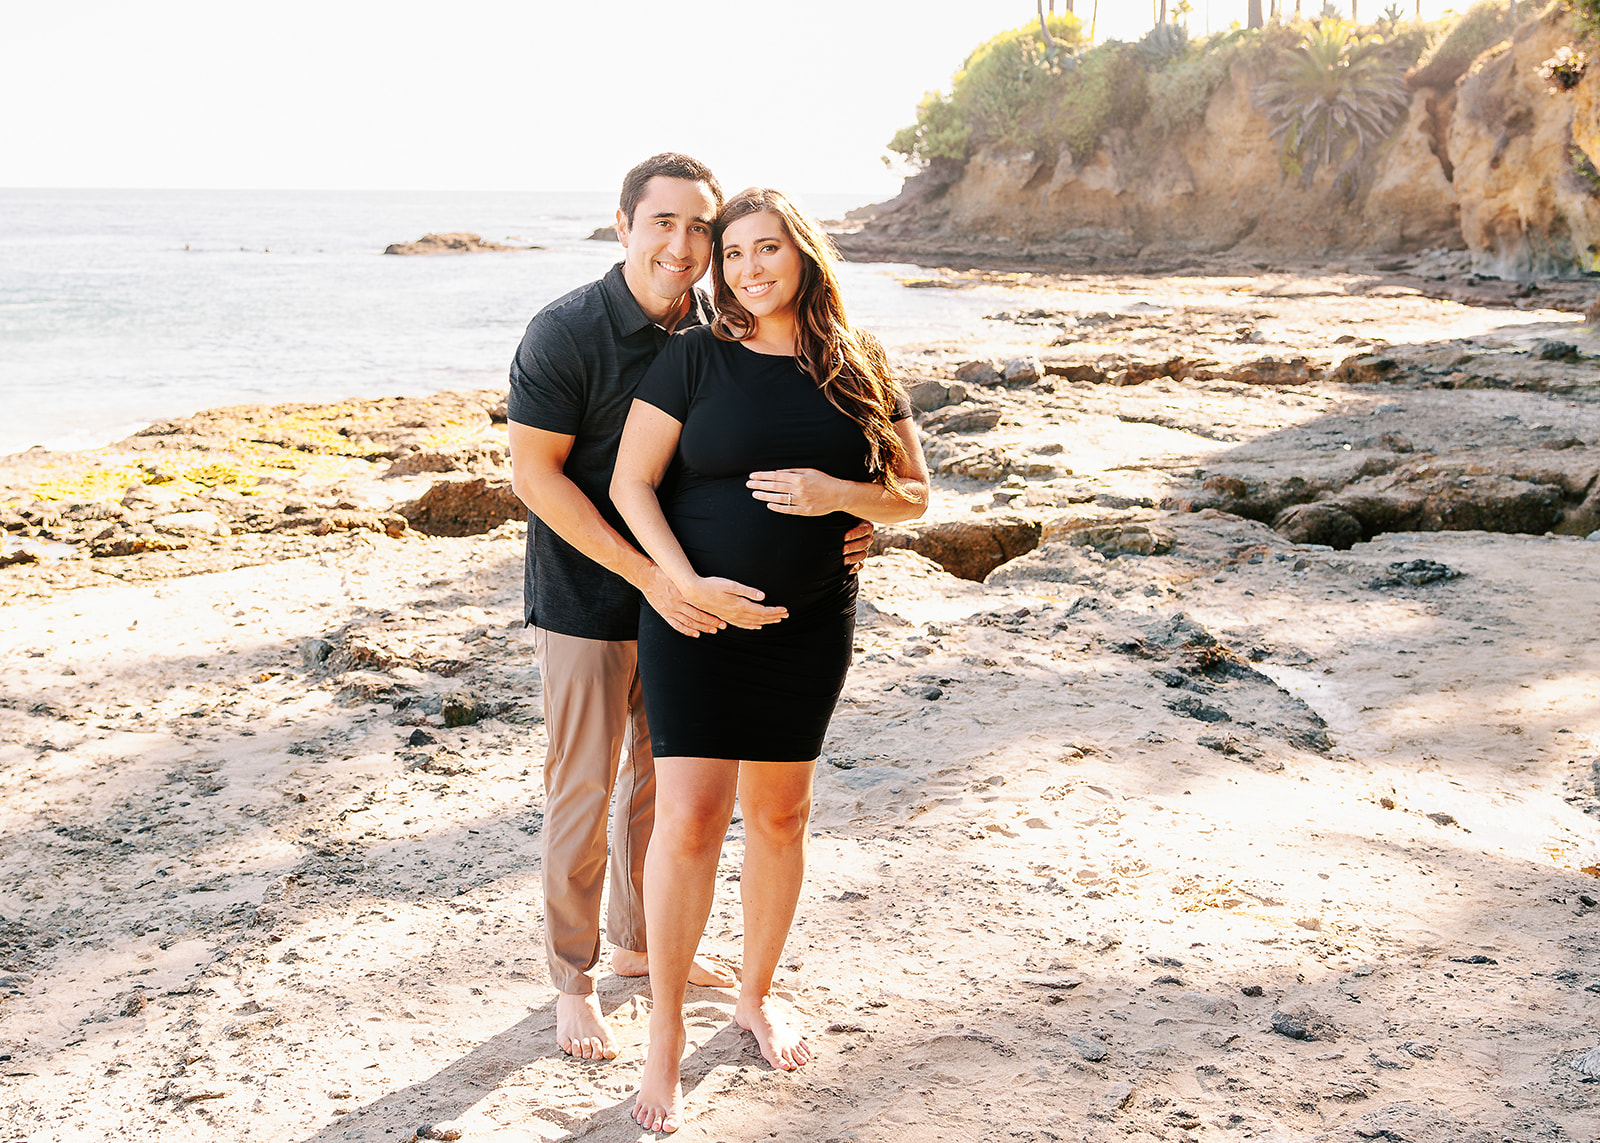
(759, 288)
(674, 267)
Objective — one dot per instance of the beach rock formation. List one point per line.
(1530, 198)
(464, 507)
(1496, 166)
(458, 242)
(1218, 189)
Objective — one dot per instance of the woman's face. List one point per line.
(761, 264)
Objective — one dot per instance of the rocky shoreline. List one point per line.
(1219, 757)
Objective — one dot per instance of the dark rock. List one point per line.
(604, 234)
(1319, 523)
(1415, 573)
(1476, 958)
(1304, 1023)
(315, 652)
(464, 507)
(1192, 707)
(463, 708)
(456, 243)
(1363, 369)
(1090, 1049)
(20, 556)
(1441, 818)
(420, 737)
(1555, 351)
(965, 548)
(1252, 990)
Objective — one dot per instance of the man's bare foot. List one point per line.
(659, 1104)
(705, 971)
(782, 1045)
(580, 1028)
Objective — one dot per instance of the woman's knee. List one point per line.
(690, 830)
(778, 824)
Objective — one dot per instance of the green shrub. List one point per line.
(1586, 15)
(938, 133)
(999, 95)
(1485, 25)
(1180, 91)
(1108, 88)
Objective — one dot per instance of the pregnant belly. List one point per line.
(795, 560)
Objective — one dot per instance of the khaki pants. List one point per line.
(593, 705)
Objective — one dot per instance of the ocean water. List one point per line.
(118, 308)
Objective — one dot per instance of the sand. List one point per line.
(1248, 839)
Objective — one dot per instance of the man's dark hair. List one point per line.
(669, 165)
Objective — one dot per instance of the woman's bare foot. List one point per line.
(659, 1104)
(767, 1018)
(705, 971)
(580, 1028)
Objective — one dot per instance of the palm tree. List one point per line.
(1254, 19)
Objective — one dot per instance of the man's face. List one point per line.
(668, 242)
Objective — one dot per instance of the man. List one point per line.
(572, 383)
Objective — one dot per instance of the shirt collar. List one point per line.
(630, 317)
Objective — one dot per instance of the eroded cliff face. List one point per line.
(1526, 211)
(1486, 165)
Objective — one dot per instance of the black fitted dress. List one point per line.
(763, 695)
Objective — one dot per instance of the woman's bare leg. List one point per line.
(776, 800)
(694, 803)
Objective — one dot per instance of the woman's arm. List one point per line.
(807, 492)
(648, 441)
(538, 475)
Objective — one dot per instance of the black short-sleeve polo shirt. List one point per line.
(574, 374)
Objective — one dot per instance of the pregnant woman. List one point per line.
(752, 446)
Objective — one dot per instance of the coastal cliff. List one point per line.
(1483, 158)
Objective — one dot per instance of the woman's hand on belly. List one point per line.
(731, 601)
(798, 491)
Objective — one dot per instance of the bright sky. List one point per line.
(492, 94)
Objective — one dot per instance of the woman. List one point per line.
(785, 427)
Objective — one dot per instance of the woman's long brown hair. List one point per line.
(848, 366)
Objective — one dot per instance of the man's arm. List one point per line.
(538, 458)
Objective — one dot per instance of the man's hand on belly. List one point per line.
(681, 615)
(856, 543)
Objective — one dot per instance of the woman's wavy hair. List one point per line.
(848, 366)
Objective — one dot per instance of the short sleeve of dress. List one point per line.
(547, 379)
(670, 382)
(902, 404)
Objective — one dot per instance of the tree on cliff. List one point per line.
(1253, 17)
(1004, 93)
(1334, 98)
